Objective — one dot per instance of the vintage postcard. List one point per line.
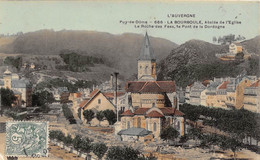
(129, 80)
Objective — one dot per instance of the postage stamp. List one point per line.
(26, 139)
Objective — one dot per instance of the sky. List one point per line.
(105, 17)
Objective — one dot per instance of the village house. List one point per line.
(96, 101)
(59, 92)
(194, 93)
(235, 48)
(252, 97)
(226, 93)
(21, 87)
(153, 105)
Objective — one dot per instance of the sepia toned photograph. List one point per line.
(129, 80)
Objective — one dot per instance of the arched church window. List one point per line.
(128, 124)
(138, 122)
(178, 125)
(154, 126)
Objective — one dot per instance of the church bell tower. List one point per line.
(146, 62)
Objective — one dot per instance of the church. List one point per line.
(153, 105)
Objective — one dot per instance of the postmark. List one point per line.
(26, 139)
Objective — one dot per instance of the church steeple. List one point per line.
(146, 62)
(146, 51)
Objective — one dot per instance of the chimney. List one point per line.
(111, 81)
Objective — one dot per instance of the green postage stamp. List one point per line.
(26, 139)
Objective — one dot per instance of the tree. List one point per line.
(85, 145)
(110, 116)
(88, 115)
(122, 153)
(42, 98)
(239, 56)
(169, 133)
(68, 114)
(14, 61)
(7, 97)
(99, 149)
(100, 116)
(67, 140)
(77, 142)
(230, 143)
(195, 134)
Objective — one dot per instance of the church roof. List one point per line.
(154, 114)
(141, 111)
(127, 113)
(150, 86)
(146, 51)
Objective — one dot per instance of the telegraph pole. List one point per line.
(117, 116)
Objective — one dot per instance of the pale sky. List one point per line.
(105, 17)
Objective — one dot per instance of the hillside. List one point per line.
(120, 51)
(252, 45)
(195, 60)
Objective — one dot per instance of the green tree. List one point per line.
(42, 98)
(110, 116)
(100, 116)
(85, 145)
(7, 97)
(99, 149)
(122, 153)
(169, 133)
(68, 113)
(67, 140)
(195, 134)
(88, 115)
(77, 142)
(230, 143)
(14, 61)
(239, 56)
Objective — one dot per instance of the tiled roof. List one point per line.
(83, 103)
(77, 95)
(206, 83)
(255, 84)
(167, 111)
(111, 94)
(223, 85)
(93, 93)
(150, 87)
(154, 114)
(141, 111)
(134, 132)
(127, 113)
(191, 84)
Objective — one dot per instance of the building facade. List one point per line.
(21, 88)
(252, 97)
(153, 105)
